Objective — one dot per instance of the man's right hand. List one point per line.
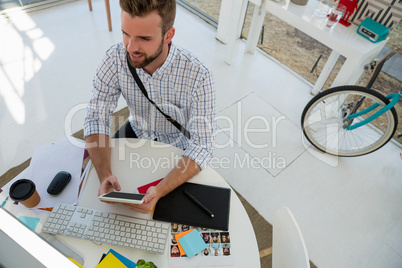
(109, 184)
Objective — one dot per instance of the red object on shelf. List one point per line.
(351, 7)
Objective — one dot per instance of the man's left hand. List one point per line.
(150, 200)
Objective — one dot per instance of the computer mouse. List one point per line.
(58, 183)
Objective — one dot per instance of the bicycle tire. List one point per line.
(322, 122)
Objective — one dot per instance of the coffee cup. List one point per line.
(24, 191)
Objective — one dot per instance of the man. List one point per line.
(173, 78)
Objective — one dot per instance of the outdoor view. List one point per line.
(300, 52)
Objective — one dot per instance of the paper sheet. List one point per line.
(46, 162)
(127, 262)
(218, 252)
(111, 261)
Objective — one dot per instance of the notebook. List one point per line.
(176, 207)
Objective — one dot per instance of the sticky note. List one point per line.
(30, 221)
(178, 236)
(192, 243)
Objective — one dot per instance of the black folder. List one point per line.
(176, 207)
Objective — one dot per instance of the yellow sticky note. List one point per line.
(179, 235)
(110, 261)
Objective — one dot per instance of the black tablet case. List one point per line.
(176, 207)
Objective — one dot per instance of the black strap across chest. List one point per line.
(168, 117)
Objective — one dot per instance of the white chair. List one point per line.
(288, 248)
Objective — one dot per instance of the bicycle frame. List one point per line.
(394, 97)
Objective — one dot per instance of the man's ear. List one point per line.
(169, 35)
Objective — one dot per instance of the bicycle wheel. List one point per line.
(324, 121)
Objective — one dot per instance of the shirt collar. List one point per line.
(168, 61)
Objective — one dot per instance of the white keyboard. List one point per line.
(109, 228)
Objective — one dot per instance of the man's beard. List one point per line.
(146, 60)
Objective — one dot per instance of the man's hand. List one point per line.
(150, 200)
(109, 184)
(184, 170)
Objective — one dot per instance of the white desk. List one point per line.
(131, 163)
(344, 41)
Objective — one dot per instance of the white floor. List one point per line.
(349, 210)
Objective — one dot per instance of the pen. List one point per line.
(4, 202)
(198, 203)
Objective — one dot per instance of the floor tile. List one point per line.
(262, 131)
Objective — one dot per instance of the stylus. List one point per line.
(198, 203)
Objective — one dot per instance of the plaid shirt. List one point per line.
(182, 87)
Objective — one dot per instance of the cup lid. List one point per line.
(22, 190)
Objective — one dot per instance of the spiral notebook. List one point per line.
(176, 207)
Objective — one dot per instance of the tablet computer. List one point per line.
(122, 197)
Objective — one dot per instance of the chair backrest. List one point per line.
(288, 248)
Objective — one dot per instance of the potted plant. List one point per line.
(143, 264)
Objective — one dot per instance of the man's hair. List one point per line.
(165, 8)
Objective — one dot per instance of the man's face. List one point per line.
(206, 238)
(142, 37)
(175, 250)
(214, 239)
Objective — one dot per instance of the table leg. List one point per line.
(225, 21)
(109, 18)
(348, 74)
(255, 28)
(90, 5)
(352, 69)
(326, 71)
(235, 20)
